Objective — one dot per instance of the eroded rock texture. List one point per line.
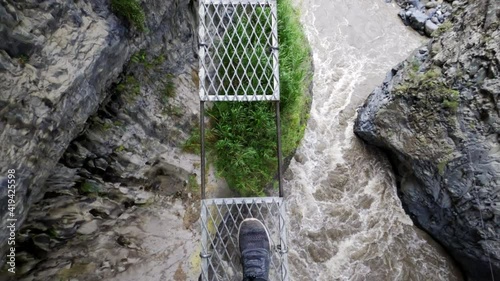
(438, 116)
(57, 58)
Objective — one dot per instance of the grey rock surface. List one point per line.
(122, 193)
(50, 84)
(430, 27)
(424, 16)
(437, 115)
(417, 20)
(57, 58)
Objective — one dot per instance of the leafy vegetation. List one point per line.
(141, 58)
(130, 10)
(192, 144)
(242, 136)
(173, 110)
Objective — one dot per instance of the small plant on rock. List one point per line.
(130, 10)
(447, 25)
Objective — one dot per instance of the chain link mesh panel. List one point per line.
(238, 42)
(220, 220)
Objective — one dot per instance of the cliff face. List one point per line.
(438, 116)
(57, 58)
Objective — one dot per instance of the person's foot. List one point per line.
(254, 248)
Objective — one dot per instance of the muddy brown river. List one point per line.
(346, 221)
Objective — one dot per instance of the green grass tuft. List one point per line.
(451, 104)
(139, 57)
(193, 183)
(192, 144)
(129, 88)
(89, 188)
(243, 135)
(445, 26)
(130, 10)
(169, 88)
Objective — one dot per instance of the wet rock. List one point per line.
(54, 73)
(123, 241)
(57, 60)
(430, 27)
(440, 127)
(88, 228)
(416, 3)
(431, 4)
(42, 242)
(126, 160)
(416, 13)
(417, 20)
(101, 163)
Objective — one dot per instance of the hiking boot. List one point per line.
(254, 248)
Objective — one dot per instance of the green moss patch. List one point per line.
(428, 91)
(131, 11)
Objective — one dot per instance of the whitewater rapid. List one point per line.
(345, 219)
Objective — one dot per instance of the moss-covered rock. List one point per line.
(437, 114)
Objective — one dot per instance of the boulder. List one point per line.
(437, 116)
(417, 20)
(430, 27)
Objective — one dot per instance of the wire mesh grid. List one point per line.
(220, 219)
(238, 50)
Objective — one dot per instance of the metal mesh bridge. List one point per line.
(238, 59)
(220, 219)
(238, 50)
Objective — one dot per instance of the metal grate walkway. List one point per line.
(238, 50)
(220, 219)
(238, 57)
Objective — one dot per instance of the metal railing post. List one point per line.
(278, 134)
(202, 147)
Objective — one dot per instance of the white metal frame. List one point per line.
(220, 220)
(226, 75)
(219, 22)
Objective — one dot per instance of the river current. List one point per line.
(345, 219)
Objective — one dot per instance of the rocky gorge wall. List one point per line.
(58, 61)
(437, 115)
(50, 87)
(119, 198)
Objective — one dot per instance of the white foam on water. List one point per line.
(346, 221)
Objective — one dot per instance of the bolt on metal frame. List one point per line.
(238, 57)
